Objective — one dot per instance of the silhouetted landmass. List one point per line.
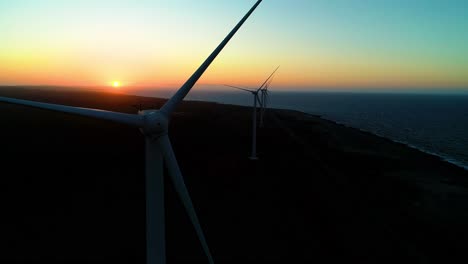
(73, 188)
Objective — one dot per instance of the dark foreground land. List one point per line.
(72, 189)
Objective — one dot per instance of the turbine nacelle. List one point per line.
(155, 123)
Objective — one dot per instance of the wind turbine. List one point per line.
(256, 99)
(265, 98)
(265, 95)
(154, 126)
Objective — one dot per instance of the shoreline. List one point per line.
(444, 158)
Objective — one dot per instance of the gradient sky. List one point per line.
(318, 43)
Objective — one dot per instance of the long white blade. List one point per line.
(240, 88)
(170, 105)
(268, 84)
(181, 189)
(263, 84)
(127, 119)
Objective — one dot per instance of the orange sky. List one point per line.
(153, 44)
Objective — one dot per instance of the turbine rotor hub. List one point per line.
(155, 124)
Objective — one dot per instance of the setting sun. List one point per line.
(116, 84)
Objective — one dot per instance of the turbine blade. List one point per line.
(127, 119)
(268, 78)
(240, 88)
(181, 189)
(269, 83)
(170, 105)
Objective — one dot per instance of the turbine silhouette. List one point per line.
(154, 126)
(265, 95)
(259, 100)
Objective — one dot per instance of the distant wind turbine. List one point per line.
(265, 95)
(154, 126)
(257, 99)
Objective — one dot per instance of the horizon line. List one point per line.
(292, 89)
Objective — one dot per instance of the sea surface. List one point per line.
(433, 123)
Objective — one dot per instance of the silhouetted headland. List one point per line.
(73, 188)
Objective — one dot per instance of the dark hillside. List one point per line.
(72, 188)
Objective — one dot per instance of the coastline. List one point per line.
(408, 144)
(57, 89)
(453, 159)
(441, 156)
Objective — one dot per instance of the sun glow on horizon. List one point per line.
(116, 84)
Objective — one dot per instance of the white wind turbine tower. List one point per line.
(154, 126)
(253, 155)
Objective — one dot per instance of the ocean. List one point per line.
(433, 123)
